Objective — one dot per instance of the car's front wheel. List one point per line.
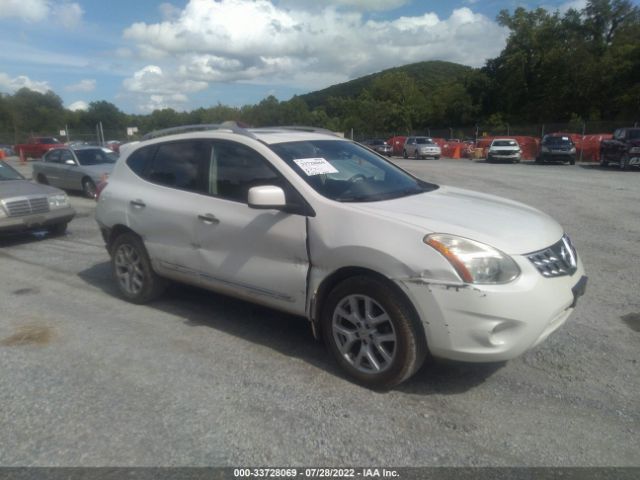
(404, 154)
(372, 332)
(624, 162)
(132, 270)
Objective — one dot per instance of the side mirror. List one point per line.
(70, 162)
(267, 197)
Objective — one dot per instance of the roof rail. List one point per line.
(302, 128)
(228, 125)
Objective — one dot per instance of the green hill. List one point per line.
(428, 75)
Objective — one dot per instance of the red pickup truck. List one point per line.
(37, 146)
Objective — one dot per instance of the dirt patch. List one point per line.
(29, 335)
(632, 320)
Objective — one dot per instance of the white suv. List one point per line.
(385, 267)
(421, 147)
(506, 149)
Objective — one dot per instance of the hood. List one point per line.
(509, 226)
(20, 188)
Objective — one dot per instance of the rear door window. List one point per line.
(182, 165)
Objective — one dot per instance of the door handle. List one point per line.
(138, 203)
(209, 219)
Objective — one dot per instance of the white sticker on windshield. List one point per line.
(315, 166)
(565, 138)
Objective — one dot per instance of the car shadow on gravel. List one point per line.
(23, 238)
(287, 334)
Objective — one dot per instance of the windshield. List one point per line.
(634, 134)
(557, 141)
(95, 156)
(8, 173)
(504, 143)
(346, 172)
(423, 141)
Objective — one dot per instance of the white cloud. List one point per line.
(151, 88)
(79, 105)
(87, 85)
(169, 11)
(16, 83)
(67, 14)
(27, 10)
(575, 4)
(263, 42)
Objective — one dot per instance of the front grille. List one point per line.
(556, 261)
(27, 206)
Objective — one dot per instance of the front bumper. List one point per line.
(504, 156)
(487, 323)
(557, 156)
(36, 221)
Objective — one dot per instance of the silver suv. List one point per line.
(421, 147)
(383, 265)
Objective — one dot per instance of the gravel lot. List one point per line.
(200, 379)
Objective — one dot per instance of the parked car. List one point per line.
(504, 149)
(379, 145)
(623, 149)
(8, 150)
(25, 205)
(557, 148)
(75, 168)
(113, 145)
(421, 147)
(385, 266)
(36, 147)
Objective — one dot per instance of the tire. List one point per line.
(437, 157)
(378, 354)
(572, 161)
(42, 179)
(603, 159)
(404, 154)
(624, 162)
(132, 271)
(489, 159)
(417, 155)
(57, 229)
(88, 188)
(539, 160)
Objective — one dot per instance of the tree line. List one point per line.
(570, 67)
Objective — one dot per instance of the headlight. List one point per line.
(573, 150)
(634, 150)
(58, 200)
(2, 212)
(475, 262)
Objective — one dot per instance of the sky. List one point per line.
(143, 55)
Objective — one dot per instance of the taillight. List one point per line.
(100, 187)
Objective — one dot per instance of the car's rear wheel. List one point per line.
(89, 188)
(372, 332)
(132, 270)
